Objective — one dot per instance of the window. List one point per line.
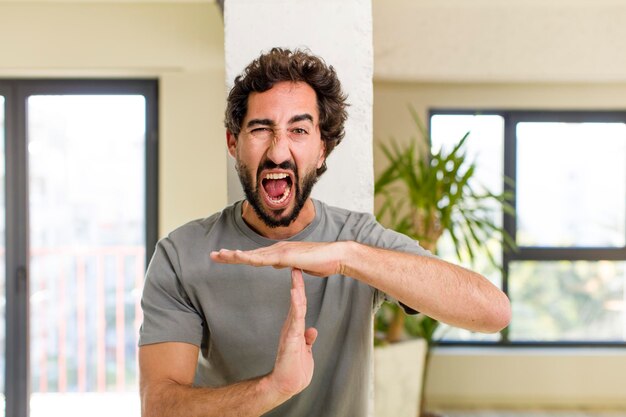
(82, 179)
(567, 281)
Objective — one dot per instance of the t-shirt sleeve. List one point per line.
(168, 313)
(374, 234)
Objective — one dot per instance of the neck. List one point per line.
(306, 216)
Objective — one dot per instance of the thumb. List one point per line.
(310, 335)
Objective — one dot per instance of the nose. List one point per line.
(279, 151)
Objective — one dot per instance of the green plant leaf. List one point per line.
(424, 194)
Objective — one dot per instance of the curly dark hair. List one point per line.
(279, 65)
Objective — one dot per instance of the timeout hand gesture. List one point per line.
(293, 369)
(294, 365)
(315, 258)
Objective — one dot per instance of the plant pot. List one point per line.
(398, 370)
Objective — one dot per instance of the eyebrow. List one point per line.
(268, 122)
(301, 117)
(263, 122)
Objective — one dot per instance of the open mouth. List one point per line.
(277, 187)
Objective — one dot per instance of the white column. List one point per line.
(340, 31)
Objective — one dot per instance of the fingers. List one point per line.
(297, 311)
(293, 369)
(298, 297)
(232, 256)
(293, 327)
(297, 281)
(316, 258)
(278, 255)
(257, 257)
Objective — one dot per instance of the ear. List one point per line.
(231, 142)
(322, 155)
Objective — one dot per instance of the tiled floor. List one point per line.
(533, 413)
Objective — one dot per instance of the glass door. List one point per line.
(87, 239)
(80, 164)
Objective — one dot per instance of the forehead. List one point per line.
(282, 101)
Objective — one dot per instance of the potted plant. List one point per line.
(424, 195)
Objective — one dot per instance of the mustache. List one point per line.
(286, 165)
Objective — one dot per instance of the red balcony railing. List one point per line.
(85, 316)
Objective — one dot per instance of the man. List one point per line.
(215, 340)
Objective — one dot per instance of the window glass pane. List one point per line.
(87, 249)
(484, 147)
(485, 144)
(571, 184)
(2, 262)
(568, 301)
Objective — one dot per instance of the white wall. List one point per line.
(528, 378)
(180, 44)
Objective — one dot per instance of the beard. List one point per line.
(302, 191)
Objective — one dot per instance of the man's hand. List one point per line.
(436, 288)
(315, 258)
(168, 369)
(293, 369)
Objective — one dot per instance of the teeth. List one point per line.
(277, 176)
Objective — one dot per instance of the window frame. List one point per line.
(16, 93)
(538, 253)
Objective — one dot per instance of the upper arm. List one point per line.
(169, 362)
(169, 314)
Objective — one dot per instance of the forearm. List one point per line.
(167, 371)
(441, 290)
(243, 399)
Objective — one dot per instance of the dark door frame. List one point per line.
(16, 93)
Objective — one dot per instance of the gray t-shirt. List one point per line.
(234, 313)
